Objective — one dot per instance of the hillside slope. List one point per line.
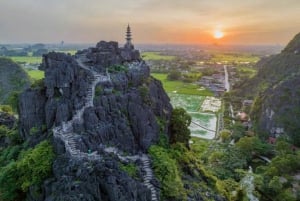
(275, 88)
(12, 78)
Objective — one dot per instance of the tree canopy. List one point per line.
(179, 126)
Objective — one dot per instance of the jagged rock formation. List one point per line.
(276, 110)
(99, 105)
(12, 79)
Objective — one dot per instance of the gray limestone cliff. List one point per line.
(276, 110)
(101, 108)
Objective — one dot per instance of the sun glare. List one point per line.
(218, 34)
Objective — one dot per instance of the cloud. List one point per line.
(152, 20)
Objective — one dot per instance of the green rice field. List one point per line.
(156, 56)
(181, 87)
(28, 59)
(192, 104)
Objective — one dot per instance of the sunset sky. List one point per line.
(152, 21)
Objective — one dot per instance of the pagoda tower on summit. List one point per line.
(128, 38)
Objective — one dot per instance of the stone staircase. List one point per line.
(65, 131)
(66, 134)
(148, 176)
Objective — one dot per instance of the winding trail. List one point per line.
(66, 133)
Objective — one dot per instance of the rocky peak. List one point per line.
(293, 46)
(106, 54)
(126, 102)
(97, 106)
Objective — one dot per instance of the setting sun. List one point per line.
(218, 34)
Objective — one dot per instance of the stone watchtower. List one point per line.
(128, 38)
(128, 52)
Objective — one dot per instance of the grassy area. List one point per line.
(181, 87)
(234, 57)
(156, 56)
(36, 60)
(28, 59)
(35, 74)
(250, 72)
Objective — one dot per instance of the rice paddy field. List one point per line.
(181, 87)
(192, 104)
(27, 59)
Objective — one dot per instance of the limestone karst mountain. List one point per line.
(276, 111)
(102, 108)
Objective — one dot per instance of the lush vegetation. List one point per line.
(156, 56)
(22, 169)
(185, 77)
(179, 126)
(129, 168)
(166, 170)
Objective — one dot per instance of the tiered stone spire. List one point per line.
(128, 38)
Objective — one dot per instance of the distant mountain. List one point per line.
(12, 79)
(276, 110)
(293, 46)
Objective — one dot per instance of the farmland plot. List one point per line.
(192, 104)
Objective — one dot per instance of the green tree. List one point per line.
(6, 108)
(252, 146)
(238, 131)
(35, 165)
(283, 147)
(13, 100)
(225, 135)
(275, 185)
(179, 126)
(174, 75)
(31, 168)
(165, 169)
(9, 182)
